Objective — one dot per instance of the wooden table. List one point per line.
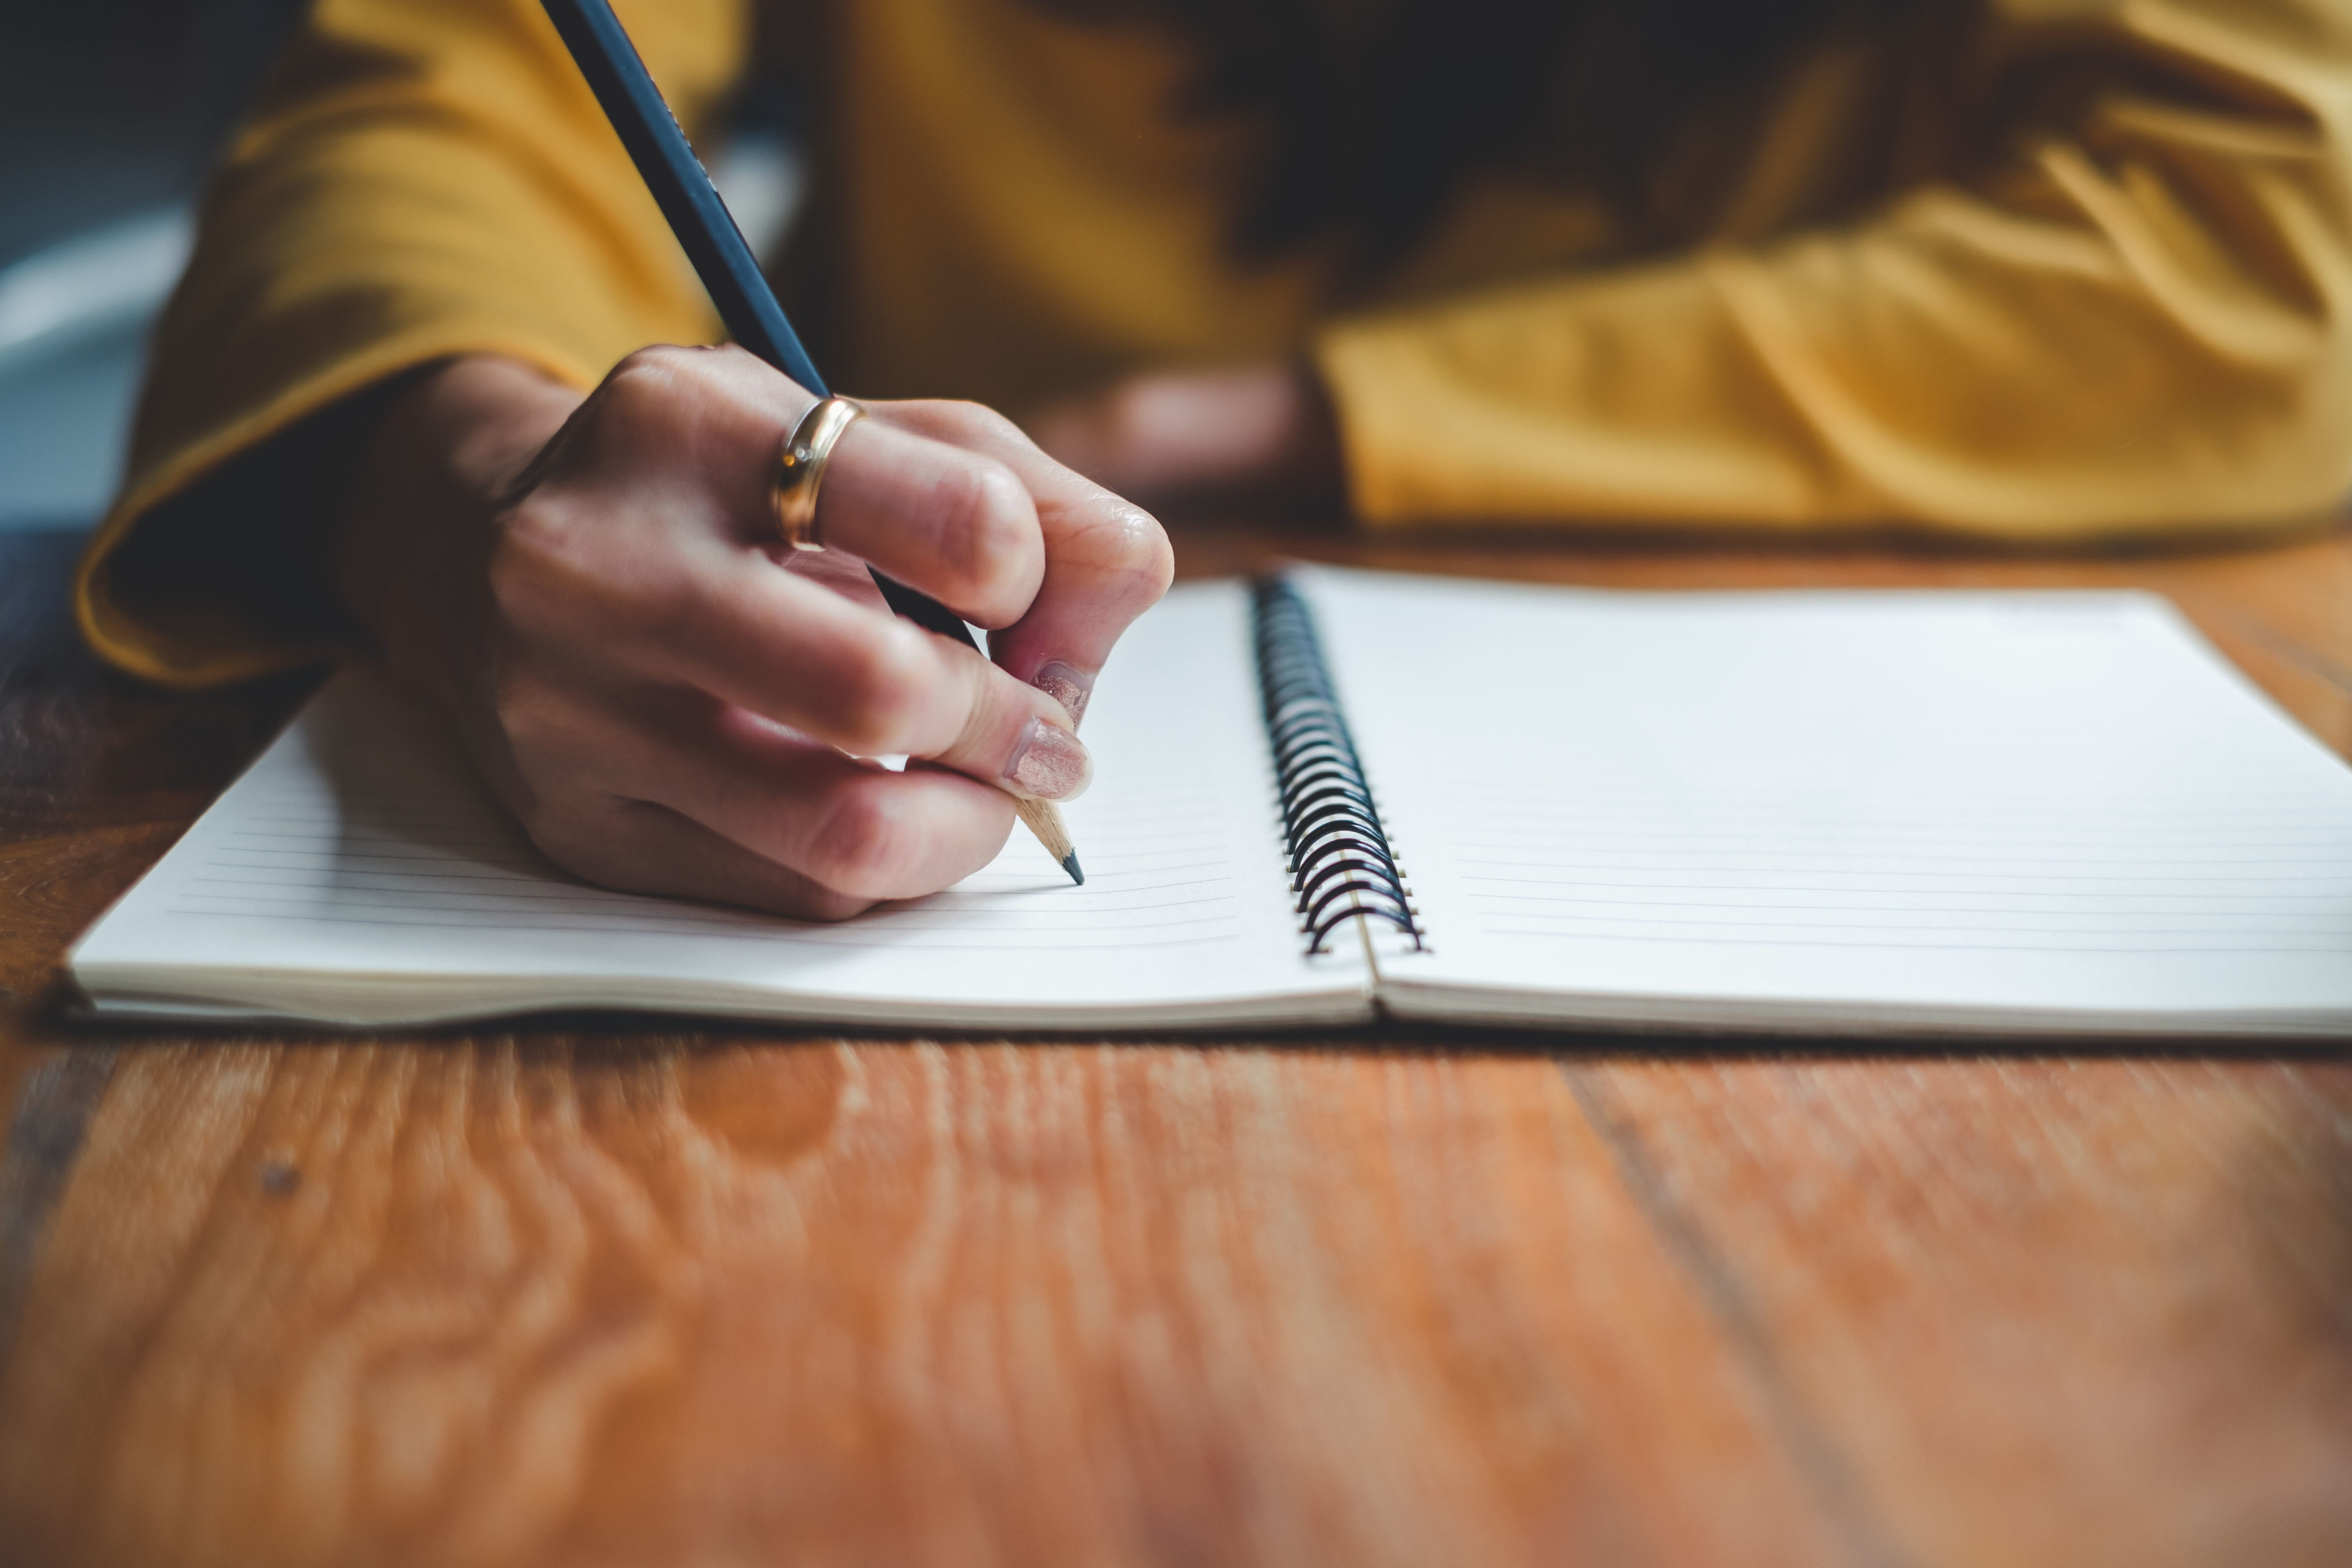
(613, 1292)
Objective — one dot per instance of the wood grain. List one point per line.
(907, 1303)
(2072, 1312)
(599, 1294)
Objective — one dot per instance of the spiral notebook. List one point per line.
(1337, 793)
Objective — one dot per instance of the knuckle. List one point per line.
(1131, 541)
(552, 764)
(648, 389)
(540, 572)
(886, 692)
(569, 573)
(515, 705)
(962, 422)
(860, 842)
(527, 546)
(827, 904)
(570, 839)
(975, 427)
(982, 423)
(529, 715)
(652, 367)
(985, 522)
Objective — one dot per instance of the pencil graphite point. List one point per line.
(1046, 822)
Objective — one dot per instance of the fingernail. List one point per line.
(1066, 685)
(1049, 764)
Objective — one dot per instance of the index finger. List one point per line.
(1106, 559)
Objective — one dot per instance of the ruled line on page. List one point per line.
(530, 872)
(1780, 852)
(991, 938)
(1710, 861)
(2225, 883)
(1793, 917)
(1535, 837)
(1949, 898)
(389, 870)
(1777, 939)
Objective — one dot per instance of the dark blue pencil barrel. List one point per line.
(681, 187)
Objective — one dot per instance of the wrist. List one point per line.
(441, 460)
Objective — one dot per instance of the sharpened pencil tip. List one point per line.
(1070, 865)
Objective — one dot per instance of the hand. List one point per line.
(1264, 429)
(590, 593)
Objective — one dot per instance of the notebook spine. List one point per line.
(1341, 865)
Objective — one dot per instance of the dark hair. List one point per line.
(1380, 108)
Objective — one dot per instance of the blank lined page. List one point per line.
(2056, 810)
(358, 875)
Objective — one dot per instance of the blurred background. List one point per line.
(110, 113)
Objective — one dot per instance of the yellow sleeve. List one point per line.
(2137, 317)
(422, 179)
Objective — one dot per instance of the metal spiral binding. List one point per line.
(1340, 863)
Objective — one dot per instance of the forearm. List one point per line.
(425, 180)
(2128, 313)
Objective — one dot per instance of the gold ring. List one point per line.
(801, 458)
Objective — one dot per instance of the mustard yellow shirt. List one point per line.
(2071, 267)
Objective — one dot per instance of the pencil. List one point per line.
(600, 46)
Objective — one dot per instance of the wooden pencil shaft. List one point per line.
(1045, 822)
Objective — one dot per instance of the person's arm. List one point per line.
(2135, 316)
(371, 419)
(421, 179)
